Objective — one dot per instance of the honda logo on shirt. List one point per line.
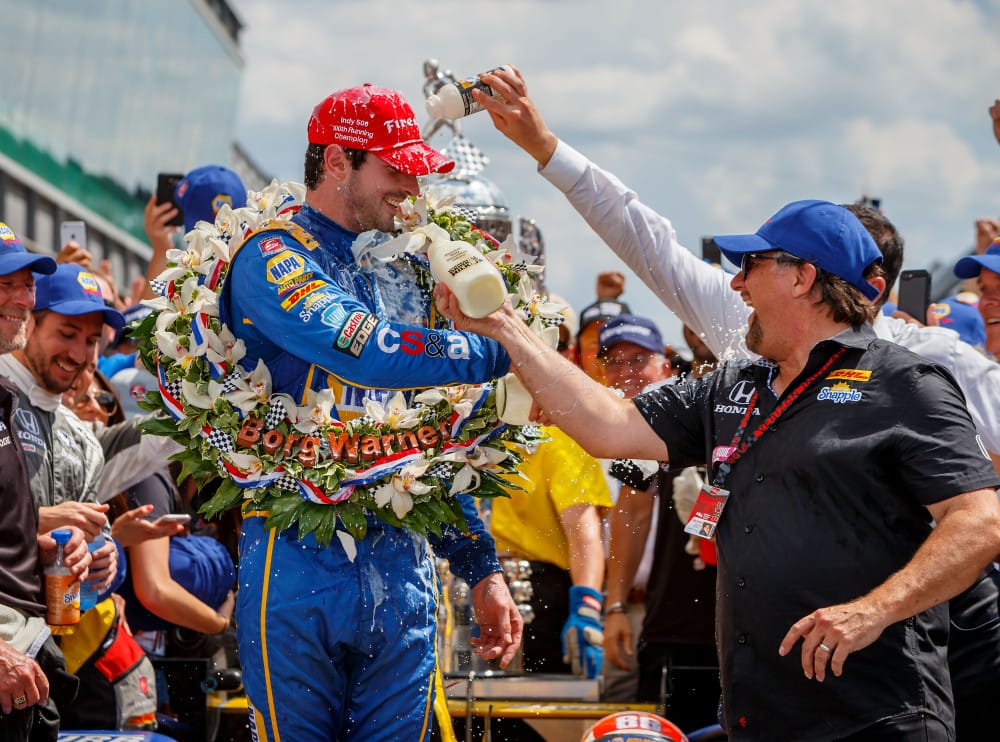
(741, 393)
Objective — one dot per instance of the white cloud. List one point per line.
(715, 113)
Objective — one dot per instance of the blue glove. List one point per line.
(583, 633)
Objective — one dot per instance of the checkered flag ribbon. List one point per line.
(229, 383)
(441, 470)
(275, 415)
(287, 483)
(469, 159)
(470, 214)
(159, 286)
(221, 440)
(174, 388)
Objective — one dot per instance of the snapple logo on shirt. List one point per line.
(841, 393)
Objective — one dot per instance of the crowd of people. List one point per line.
(789, 527)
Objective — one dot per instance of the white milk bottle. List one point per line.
(513, 401)
(454, 100)
(474, 280)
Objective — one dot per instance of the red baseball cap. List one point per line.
(378, 120)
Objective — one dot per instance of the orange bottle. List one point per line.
(62, 589)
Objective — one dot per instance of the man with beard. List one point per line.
(31, 665)
(335, 647)
(850, 497)
(64, 459)
(701, 297)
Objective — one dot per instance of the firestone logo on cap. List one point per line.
(89, 283)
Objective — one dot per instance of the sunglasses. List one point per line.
(779, 255)
(105, 400)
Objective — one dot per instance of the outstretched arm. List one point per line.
(604, 424)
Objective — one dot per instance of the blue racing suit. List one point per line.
(333, 648)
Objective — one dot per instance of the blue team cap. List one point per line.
(970, 267)
(203, 191)
(819, 232)
(13, 256)
(627, 328)
(961, 314)
(73, 290)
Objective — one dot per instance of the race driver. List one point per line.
(334, 647)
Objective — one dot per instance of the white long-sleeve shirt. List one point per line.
(701, 297)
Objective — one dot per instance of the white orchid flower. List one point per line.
(399, 490)
(465, 480)
(439, 198)
(460, 397)
(395, 414)
(549, 333)
(227, 223)
(223, 347)
(169, 345)
(252, 390)
(248, 464)
(480, 457)
(315, 413)
(412, 214)
(196, 398)
(198, 298)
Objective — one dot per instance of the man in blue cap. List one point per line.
(985, 269)
(830, 460)
(199, 195)
(33, 666)
(69, 315)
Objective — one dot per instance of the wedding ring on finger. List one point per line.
(20, 701)
(825, 648)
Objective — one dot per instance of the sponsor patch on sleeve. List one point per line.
(300, 293)
(284, 267)
(270, 246)
(355, 333)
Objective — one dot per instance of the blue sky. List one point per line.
(715, 113)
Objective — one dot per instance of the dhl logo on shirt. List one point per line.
(850, 374)
(300, 293)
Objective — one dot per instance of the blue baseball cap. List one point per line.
(13, 256)
(203, 191)
(818, 232)
(73, 290)
(971, 266)
(961, 314)
(627, 328)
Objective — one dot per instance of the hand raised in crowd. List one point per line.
(987, 230)
(21, 678)
(76, 556)
(931, 318)
(89, 517)
(995, 115)
(500, 623)
(155, 221)
(610, 285)
(516, 117)
(132, 528)
(72, 253)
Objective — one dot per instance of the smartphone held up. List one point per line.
(914, 293)
(166, 184)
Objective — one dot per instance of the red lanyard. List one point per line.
(741, 448)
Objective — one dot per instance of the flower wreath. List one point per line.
(403, 464)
